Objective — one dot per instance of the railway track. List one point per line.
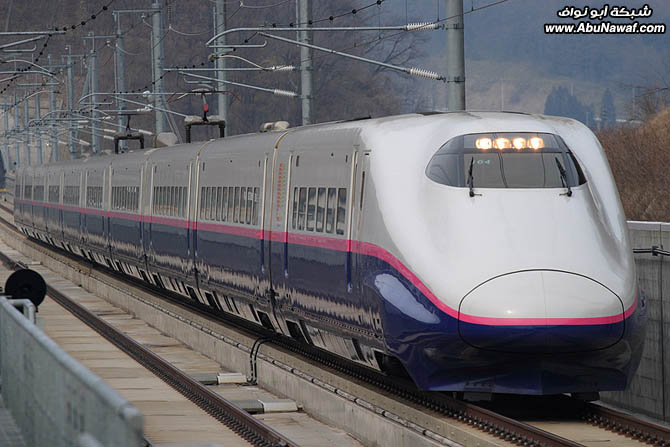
(493, 422)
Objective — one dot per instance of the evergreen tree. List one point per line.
(561, 103)
(607, 110)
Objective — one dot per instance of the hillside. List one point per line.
(639, 159)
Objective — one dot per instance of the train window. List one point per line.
(231, 204)
(205, 215)
(173, 201)
(94, 196)
(330, 210)
(54, 193)
(211, 203)
(219, 201)
(311, 208)
(360, 203)
(341, 209)
(168, 200)
(224, 204)
(202, 202)
(256, 203)
(243, 204)
(165, 200)
(177, 201)
(38, 193)
(320, 209)
(302, 208)
(250, 204)
(215, 200)
(236, 211)
(505, 160)
(71, 195)
(294, 223)
(184, 200)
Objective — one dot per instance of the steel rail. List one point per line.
(627, 425)
(486, 420)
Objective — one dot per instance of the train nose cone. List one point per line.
(541, 311)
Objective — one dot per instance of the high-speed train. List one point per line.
(479, 252)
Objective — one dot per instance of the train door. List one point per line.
(369, 317)
(193, 182)
(276, 227)
(148, 212)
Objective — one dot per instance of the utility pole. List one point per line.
(455, 56)
(93, 76)
(120, 68)
(52, 109)
(220, 62)
(70, 103)
(304, 15)
(16, 130)
(157, 65)
(7, 149)
(26, 121)
(38, 116)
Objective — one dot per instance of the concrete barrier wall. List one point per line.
(649, 392)
(52, 397)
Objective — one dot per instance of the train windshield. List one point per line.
(506, 160)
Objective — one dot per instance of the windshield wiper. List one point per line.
(471, 179)
(564, 177)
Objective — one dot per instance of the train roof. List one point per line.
(460, 122)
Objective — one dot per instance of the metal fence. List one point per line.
(53, 398)
(649, 391)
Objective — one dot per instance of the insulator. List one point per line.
(421, 26)
(425, 73)
(280, 92)
(282, 67)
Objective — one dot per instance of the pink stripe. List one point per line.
(495, 321)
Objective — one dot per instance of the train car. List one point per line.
(473, 251)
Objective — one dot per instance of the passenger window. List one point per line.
(360, 203)
(320, 209)
(180, 193)
(311, 208)
(341, 209)
(175, 201)
(219, 199)
(330, 210)
(236, 215)
(256, 203)
(211, 203)
(243, 204)
(224, 205)
(231, 204)
(250, 204)
(202, 203)
(302, 208)
(294, 223)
